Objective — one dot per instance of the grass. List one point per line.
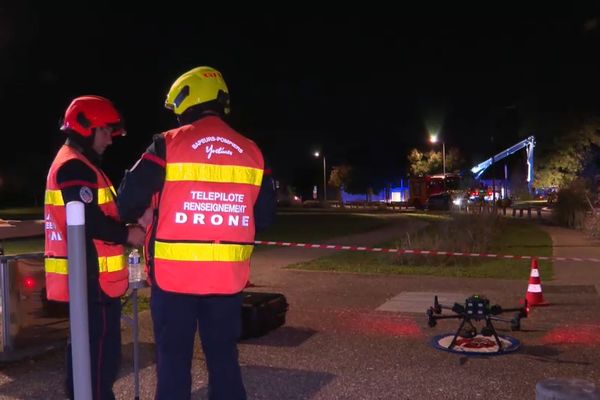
(311, 227)
(22, 213)
(20, 246)
(296, 227)
(532, 203)
(430, 216)
(143, 304)
(517, 237)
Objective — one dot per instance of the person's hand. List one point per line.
(147, 217)
(136, 235)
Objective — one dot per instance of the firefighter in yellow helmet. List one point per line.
(202, 190)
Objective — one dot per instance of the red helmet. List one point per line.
(88, 112)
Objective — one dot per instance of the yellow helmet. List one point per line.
(198, 86)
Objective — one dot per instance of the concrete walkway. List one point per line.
(16, 229)
(570, 243)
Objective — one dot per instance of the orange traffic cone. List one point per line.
(534, 294)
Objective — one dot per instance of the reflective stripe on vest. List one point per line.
(54, 197)
(202, 251)
(213, 173)
(105, 264)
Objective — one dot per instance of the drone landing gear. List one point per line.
(470, 332)
(476, 308)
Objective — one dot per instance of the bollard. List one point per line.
(78, 311)
(566, 389)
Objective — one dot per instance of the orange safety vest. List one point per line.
(205, 228)
(112, 265)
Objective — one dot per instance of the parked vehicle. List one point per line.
(288, 200)
(439, 201)
(422, 188)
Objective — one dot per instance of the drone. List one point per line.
(476, 308)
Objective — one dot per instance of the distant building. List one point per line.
(389, 194)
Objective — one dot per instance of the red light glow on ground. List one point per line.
(383, 324)
(573, 334)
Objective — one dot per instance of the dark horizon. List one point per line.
(362, 89)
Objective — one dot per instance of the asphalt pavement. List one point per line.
(336, 344)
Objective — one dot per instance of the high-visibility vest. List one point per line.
(112, 264)
(205, 229)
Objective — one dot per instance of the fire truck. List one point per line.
(424, 187)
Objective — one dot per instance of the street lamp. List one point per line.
(433, 138)
(317, 154)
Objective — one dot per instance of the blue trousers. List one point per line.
(104, 321)
(176, 319)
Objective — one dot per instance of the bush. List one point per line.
(592, 224)
(463, 233)
(504, 202)
(571, 205)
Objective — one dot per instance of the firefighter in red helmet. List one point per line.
(90, 123)
(208, 190)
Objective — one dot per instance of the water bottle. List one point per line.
(136, 279)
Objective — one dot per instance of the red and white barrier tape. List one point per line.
(421, 252)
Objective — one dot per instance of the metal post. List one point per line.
(444, 158)
(136, 282)
(444, 163)
(78, 311)
(4, 304)
(493, 187)
(324, 180)
(136, 345)
(505, 181)
(530, 147)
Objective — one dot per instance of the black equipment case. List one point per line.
(262, 312)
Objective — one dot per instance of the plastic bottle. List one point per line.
(135, 269)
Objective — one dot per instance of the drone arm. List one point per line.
(499, 319)
(446, 316)
(512, 309)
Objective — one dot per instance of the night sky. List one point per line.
(364, 89)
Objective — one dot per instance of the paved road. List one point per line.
(335, 345)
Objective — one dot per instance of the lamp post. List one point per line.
(433, 138)
(317, 154)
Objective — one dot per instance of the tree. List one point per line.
(361, 179)
(564, 160)
(357, 182)
(339, 177)
(418, 163)
(431, 162)
(454, 160)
